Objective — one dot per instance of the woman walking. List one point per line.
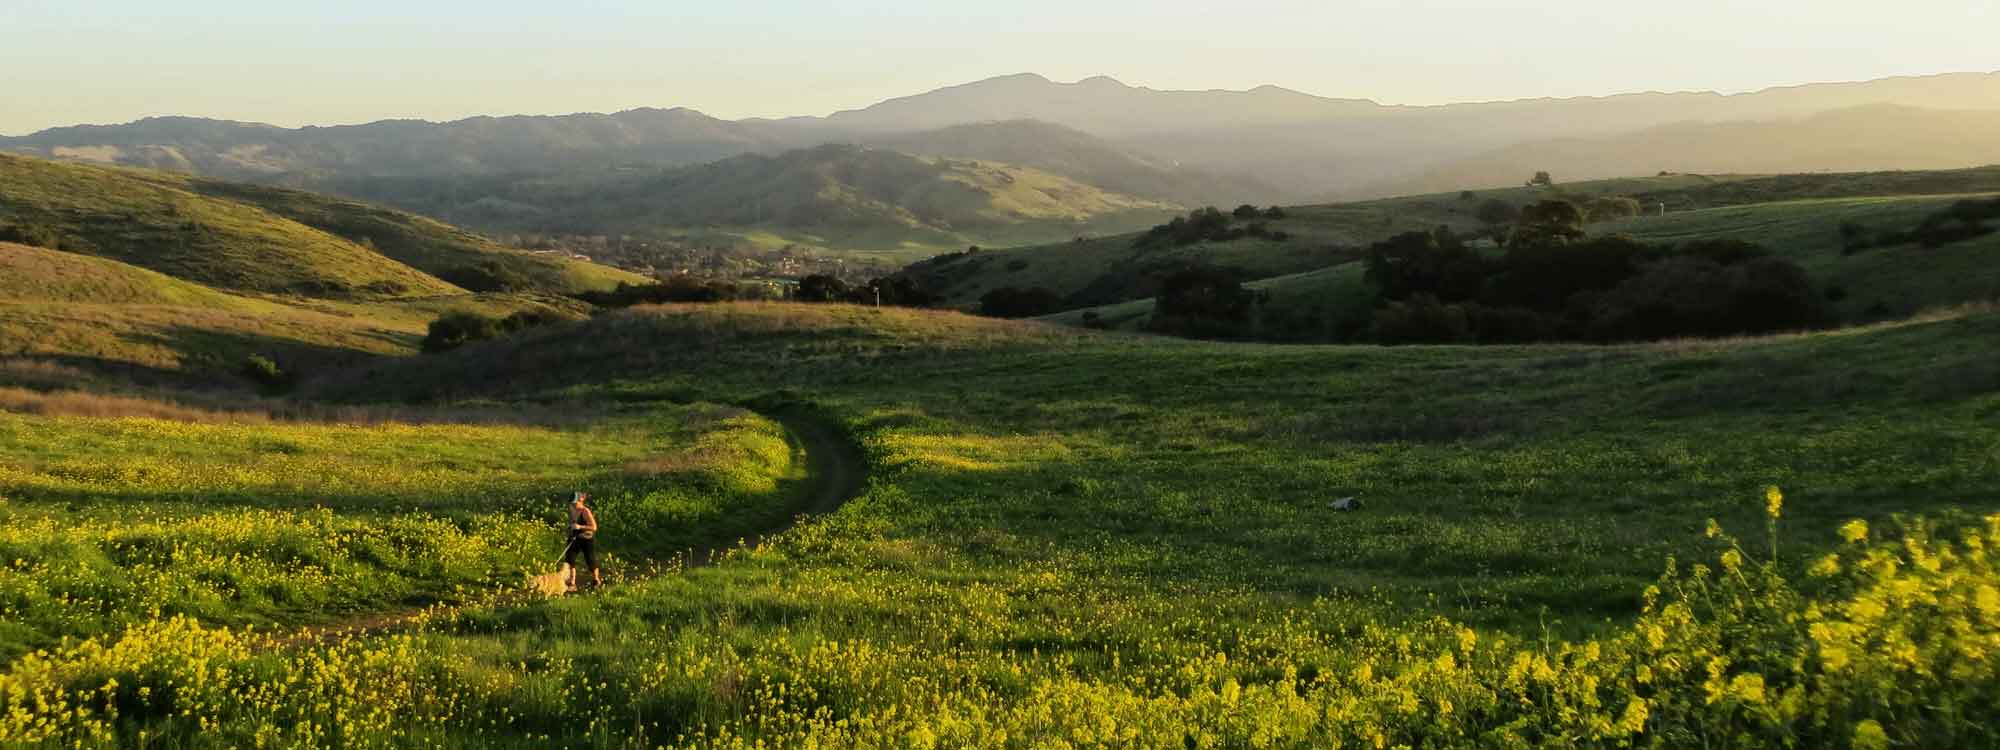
(582, 540)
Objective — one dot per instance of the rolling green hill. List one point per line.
(1797, 216)
(1875, 283)
(255, 239)
(836, 197)
(1111, 269)
(33, 274)
(1081, 157)
(133, 218)
(102, 316)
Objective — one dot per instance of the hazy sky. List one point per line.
(294, 62)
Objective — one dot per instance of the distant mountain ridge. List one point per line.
(1298, 145)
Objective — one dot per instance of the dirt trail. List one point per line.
(836, 472)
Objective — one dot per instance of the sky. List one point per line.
(300, 62)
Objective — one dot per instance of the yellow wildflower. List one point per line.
(1868, 735)
(1634, 720)
(1855, 531)
(1774, 501)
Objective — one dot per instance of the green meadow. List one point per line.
(1072, 538)
(1016, 534)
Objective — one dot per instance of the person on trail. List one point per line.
(582, 540)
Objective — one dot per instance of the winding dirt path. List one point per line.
(836, 472)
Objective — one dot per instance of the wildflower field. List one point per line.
(1073, 539)
(111, 521)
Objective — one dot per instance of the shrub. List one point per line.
(1015, 302)
(455, 329)
(1610, 208)
(266, 373)
(1203, 301)
(31, 234)
(822, 288)
(489, 276)
(1246, 212)
(1496, 211)
(1548, 222)
(1274, 212)
(1421, 319)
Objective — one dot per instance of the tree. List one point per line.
(1245, 211)
(1203, 301)
(1549, 222)
(1610, 208)
(1016, 302)
(820, 287)
(1495, 211)
(1542, 179)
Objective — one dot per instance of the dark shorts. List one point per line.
(581, 546)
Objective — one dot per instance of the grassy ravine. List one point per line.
(1086, 540)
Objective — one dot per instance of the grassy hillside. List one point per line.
(1081, 157)
(131, 217)
(452, 254)
(254, 239)
(1067, 529)
(1878, 283)
(239, 518)
(33, 274)
(837, 197)
(1797, 216)
(1110, 269)
(104, 316)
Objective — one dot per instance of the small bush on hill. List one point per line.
(1016, 302)
(455, 329)
(31, 234)
(1246, 212)
(489, 276)
(266, 373)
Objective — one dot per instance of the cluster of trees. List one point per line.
(1020, 302)
(1565, 212)
(1212, 225)
(1961, 221)
(898, 291)
(455, 329)
(675, 289)
(1550, 285)
(1205, 302)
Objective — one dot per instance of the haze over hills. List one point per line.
(1874, 137)
(1177, 147)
